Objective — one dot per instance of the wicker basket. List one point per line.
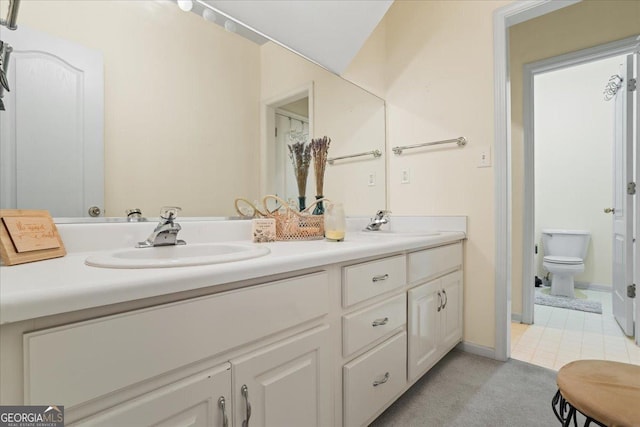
(293, 225)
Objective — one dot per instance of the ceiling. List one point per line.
(328, 32)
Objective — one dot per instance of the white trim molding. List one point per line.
(503, 18)
(583, 56)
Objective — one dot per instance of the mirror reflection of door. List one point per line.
(292, 125)
(51, 133)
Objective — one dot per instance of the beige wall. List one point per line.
(353, 118)
(439, 85)
(583, 25)
(181, 103)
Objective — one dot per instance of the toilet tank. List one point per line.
(571, 243)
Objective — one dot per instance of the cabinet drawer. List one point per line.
(373, 379)
(365, 326)
(75, 363)
(366, 280)
(431, 263)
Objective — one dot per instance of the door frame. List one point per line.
(584, 56)
(503, 18)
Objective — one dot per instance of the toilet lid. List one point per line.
(563, 259)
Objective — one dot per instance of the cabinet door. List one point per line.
(451, 314)
(286, 384)
(425, 303)
(193, 402)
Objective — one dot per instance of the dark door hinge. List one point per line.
(631, 85)
(631, 291)
(631, 188)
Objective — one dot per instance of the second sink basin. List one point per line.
(177, 256)
(392, 233)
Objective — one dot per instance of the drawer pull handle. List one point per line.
(380, 278)
(380, 322)
(244, 390)
(376, 383)
(439, 301)
(222, 406)
(446, 298)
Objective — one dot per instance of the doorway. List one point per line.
(286, 119)
(571, 179)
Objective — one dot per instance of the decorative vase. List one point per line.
(319, 210)
(302, 203)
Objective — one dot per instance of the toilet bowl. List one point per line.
(564, 251)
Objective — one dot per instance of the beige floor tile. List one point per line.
(561, 336)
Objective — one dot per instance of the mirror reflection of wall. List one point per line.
(182, 104)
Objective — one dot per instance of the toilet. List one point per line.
(564, 254)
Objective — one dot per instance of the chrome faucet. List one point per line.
(381, 218)
(166, 232)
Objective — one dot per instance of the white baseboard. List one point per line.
(516, 317)
(593, 286)
(476, 349)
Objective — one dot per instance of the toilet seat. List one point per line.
(565, 260)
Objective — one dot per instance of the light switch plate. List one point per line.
(484, 157)
(405, 176)
(371, 181)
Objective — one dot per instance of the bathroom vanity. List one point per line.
(314, 333)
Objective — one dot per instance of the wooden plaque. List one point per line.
(27, 236)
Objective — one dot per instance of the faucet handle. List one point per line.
(169, 213)
(382, 213)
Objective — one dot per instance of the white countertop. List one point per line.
(66, 284)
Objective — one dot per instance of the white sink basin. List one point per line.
(392, 233)
(177, 256)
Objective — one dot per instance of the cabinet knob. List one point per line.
(244, 390)
(380, 278)
(222, 405)
(386, 377)
(609, 210)
(380, 322)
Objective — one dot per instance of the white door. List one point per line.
(286, 384)
(51, 134)
(623, 201)
(425, 304)
(285, 176)
(202, 400)
(451, 316)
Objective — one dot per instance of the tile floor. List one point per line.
(559, 336)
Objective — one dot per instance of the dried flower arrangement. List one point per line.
(300, 155)
(320, 152)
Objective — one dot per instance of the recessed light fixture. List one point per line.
(185, 5)
(209, 15)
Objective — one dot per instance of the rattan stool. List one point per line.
(606, 393)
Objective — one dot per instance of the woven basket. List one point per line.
(294, 225)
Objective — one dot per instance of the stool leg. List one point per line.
(563, 410)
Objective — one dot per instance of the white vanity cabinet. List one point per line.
(86, 363)
(434, 308)
(286, 384)
(327, 345)
(373, 379)
(201, 400)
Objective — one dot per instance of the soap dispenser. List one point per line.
(334, 222)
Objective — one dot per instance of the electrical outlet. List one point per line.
(372, 179)
(484, 157)
(405, 176)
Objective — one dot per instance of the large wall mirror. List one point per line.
(187, 111)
